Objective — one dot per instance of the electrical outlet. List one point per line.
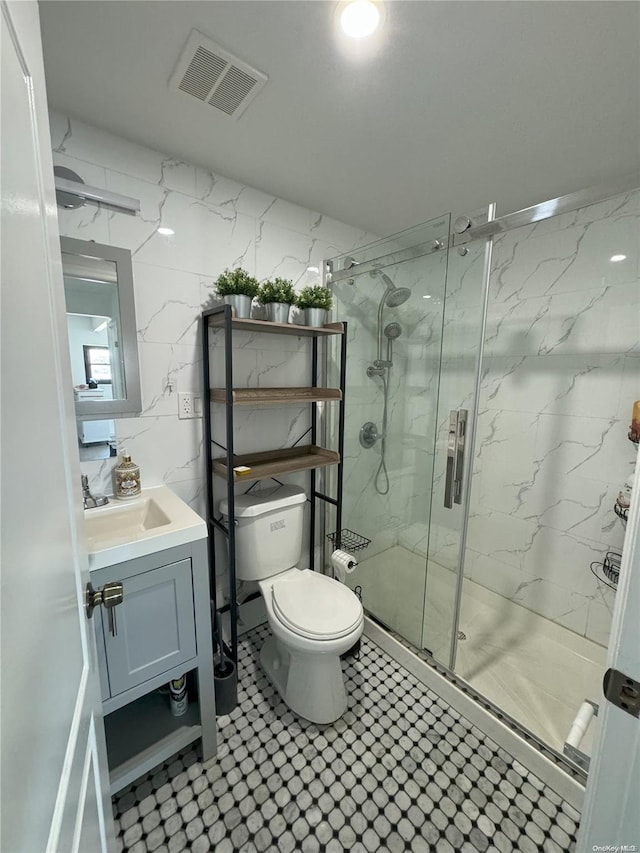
(188, 405)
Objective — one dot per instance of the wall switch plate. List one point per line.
(189, 405)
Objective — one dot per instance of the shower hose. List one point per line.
(382, 467)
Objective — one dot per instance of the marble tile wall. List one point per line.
(218, 223)
(560, 374)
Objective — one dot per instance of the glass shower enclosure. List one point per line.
(512, 351)
(414, 313)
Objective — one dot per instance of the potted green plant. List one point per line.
(237, 288)
(316, 301)
(278, 296)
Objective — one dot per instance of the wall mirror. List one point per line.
(98, 289)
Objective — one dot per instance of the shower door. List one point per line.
(462, 336)
(413, 312)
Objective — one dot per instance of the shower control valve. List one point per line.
(369, 434)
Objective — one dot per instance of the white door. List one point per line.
(611, 812)
(54, 774)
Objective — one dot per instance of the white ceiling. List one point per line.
(452, 105)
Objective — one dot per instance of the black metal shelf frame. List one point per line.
(215, 524)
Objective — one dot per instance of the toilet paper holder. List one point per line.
(342, 564)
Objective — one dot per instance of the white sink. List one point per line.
(157, 520)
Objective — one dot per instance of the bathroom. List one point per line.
(552, 373)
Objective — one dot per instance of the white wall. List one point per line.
(218, 223)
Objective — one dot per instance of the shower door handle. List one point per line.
(450, 472)
(461, 435)
(455, 457)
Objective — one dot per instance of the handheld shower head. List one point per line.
(392, 332)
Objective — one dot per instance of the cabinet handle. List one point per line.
(110, 595)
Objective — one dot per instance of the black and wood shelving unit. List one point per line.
(266, 464)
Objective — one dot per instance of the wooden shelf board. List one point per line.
(266, 396)
(247, 325)
(143, 734)
(270, 463)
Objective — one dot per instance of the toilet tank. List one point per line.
(268, 531)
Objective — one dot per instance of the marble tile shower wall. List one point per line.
(561, 371)
(218, 223)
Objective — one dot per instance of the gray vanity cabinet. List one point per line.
(163, 629)
(155, 626)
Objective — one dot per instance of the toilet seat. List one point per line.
(315, 606)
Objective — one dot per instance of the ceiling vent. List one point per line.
(214, 76)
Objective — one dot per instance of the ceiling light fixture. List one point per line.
(166, 232)
(313, 269)
(360, 18)
(616, 258)
(428, 296)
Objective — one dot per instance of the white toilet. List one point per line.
(313, 618)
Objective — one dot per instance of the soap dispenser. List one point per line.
(127, 479)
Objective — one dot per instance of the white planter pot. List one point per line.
(278, 312)
(241, 304)
(315, 316)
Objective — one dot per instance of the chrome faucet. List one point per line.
(89, 500)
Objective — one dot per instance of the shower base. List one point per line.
(533, 669)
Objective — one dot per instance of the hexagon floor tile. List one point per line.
(400, 771)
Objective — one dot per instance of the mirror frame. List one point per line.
(132, 403)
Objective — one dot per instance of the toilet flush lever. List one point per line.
(110, 595)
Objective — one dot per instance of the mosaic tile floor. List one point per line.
(400, 771)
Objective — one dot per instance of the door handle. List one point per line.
(461, 435)
(450, 472)
(456, 443)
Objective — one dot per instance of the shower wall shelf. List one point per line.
(265, 464)
(621, 512)
(608, 571)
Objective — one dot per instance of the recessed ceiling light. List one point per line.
(616, 258)
(313, 269)
(428, 296)
(360, 19)
(166, 232)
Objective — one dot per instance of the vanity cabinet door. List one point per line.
(155, 625)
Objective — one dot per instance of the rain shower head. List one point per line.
(397, 296)
(393, 296)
